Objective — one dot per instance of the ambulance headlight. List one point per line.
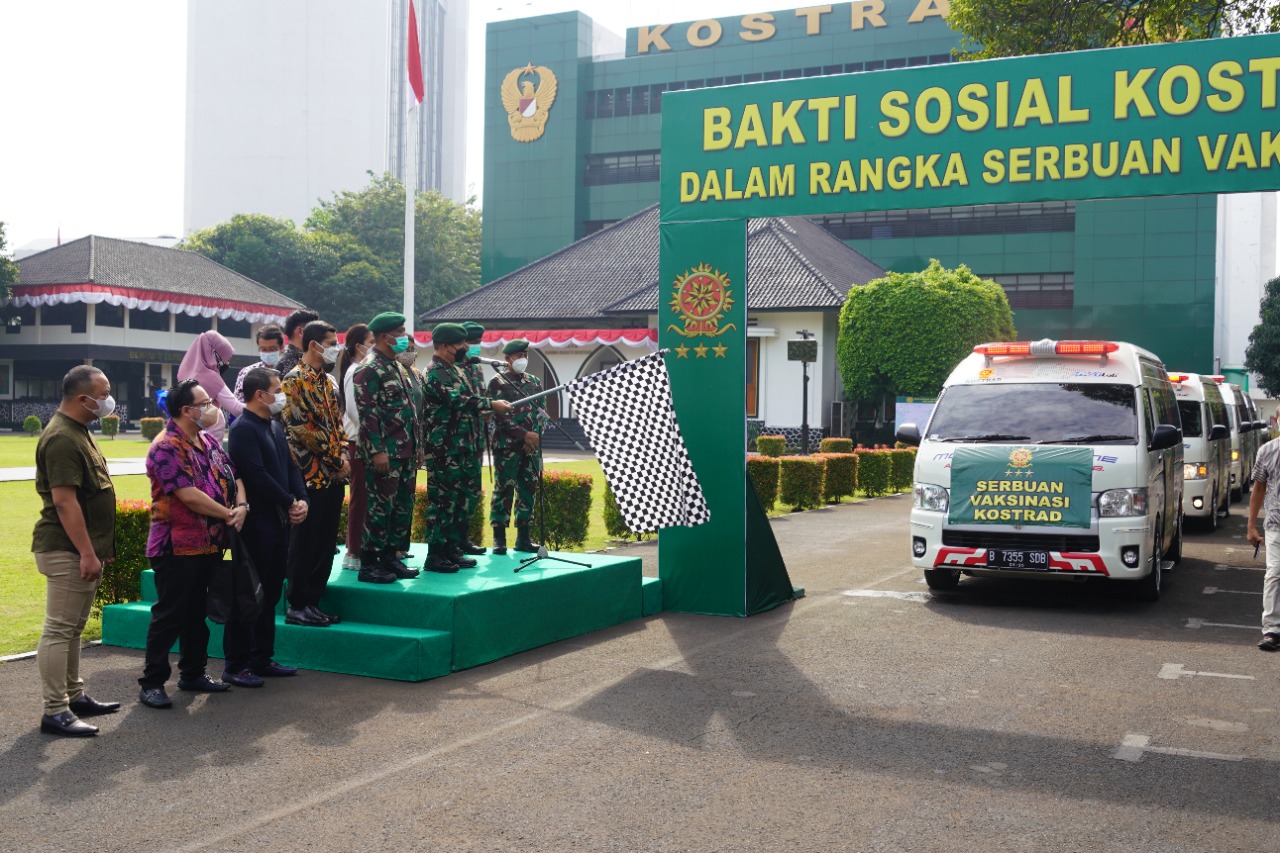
(931, 498)
(1119, 503)
(1192, 471)
(1235, 456)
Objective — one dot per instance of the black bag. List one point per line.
(235, 593)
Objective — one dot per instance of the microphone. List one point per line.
(493, 361)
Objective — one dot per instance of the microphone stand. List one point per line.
(542, 507)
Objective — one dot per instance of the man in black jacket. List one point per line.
(273, 485)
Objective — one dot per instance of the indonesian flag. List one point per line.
(414, 56)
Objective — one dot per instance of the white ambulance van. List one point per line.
(1206, 448)
(1240, 428)
(1052, 459)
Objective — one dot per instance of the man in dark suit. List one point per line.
(273, 485)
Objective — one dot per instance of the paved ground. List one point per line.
(999, 717)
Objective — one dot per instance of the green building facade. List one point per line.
(567, 156)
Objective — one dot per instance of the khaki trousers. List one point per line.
(67, 605)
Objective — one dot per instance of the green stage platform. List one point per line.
(436, 624)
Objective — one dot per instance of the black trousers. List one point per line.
(253, 644)
(182, 592)
(311, 547)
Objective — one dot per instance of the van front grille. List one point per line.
(1025, 541)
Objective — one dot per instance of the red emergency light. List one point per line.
(1046, 348)
(1217, 378)
(1179, 377)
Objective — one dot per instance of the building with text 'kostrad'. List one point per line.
(573, 116)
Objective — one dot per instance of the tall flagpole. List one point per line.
(413, 65)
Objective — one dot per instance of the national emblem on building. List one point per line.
(527, 107)
(702, 298)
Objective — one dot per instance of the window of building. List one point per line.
(1038, 291)
(185, 324)
(148, 321)
(591, 226)
(74, 314)
(753, 377)
(235, 329)
(16, 318)
(1031, 218)
(624, 167)
(109, 316)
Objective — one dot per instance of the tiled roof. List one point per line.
(791, 264)
(122, 263)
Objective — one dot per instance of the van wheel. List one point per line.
(1175, 550)
(1148, 588)
(1211, 523)
(942, 578)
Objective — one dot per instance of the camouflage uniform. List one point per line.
(388, 424)
(475, 434)
(450, 423)
(516, 471)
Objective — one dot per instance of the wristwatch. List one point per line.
(244, 504)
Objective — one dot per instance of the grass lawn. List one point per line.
(22, 589)
(19, 451)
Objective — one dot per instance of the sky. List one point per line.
(93, 111)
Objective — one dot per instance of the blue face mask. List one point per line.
(473, 351)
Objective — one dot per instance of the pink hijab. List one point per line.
(201, 364)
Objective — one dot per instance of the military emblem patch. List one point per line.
(528, 108)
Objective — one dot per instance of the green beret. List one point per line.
(387, 321)
(474, 330)
(448, 333)
(518, 345)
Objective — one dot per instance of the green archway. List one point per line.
(1197, 117)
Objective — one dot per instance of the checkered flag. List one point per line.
(628, 416)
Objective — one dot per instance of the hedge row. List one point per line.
(802, 481)
(835, 445)
(763, 471)
(150, 427)
(809, 481)
(614, 523)
(771, 445)
(842, 475)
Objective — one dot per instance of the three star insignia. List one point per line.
(701, 350)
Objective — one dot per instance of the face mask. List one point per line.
(520, 365)
(106, 406)
(276, 406)
(401, 344)
(223, 366)
(208, 417)
(331, 354)
(473, 351)
(408, 359)
(270, 359)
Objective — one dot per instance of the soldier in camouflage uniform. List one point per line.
(517, 449)
(449, 407)
(389, 448)
(475, 432)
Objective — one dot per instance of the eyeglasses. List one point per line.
(204, 407)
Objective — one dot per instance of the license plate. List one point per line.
(1006, 558)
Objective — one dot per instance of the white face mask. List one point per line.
(208, 417)
(331, 354)
(270, 359)
(106, 406)
(276, 406)
(520, 365)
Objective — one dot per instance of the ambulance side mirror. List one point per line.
(1218, 432)
(1165, 436)
(908, 434)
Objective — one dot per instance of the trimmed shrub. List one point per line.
(771, 445)
(802, 481)
(763, 471)
(566, 503)
(753, 432)
(111, 426)
(875, 472)
(836, 445)
(842, 476)
(122, 577)
(614, 524)
(903, 465)
(418, 529)
(151, 427)
(32, 425)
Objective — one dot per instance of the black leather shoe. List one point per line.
(275, 670)
(471, 549)
(317, 613)
(87, 706)
(304, 618)
(523, 542)
(375, 573)
(462, 560)
(203, 684)
(438, 562)
(499, 540)
(154, 697)
(393, 566)
(66, 724)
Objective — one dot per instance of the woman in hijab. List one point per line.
(210, 354)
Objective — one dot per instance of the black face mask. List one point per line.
(223, 367)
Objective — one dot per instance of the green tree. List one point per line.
(8, 268)
(1262, 355)
(993, 28)
(272, 252)
(903, 334)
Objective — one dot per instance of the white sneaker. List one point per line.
(351, 562)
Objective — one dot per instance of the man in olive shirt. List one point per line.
(75, 534)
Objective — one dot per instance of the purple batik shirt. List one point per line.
(176, 462)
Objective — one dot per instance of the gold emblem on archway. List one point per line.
(528, 107)
(702, 298)
(1020, 458)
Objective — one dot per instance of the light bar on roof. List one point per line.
(1046, 347)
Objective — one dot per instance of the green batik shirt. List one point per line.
(509, 428)
(451, 410)
(387, 409)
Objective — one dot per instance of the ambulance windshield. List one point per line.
(1037, 413)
